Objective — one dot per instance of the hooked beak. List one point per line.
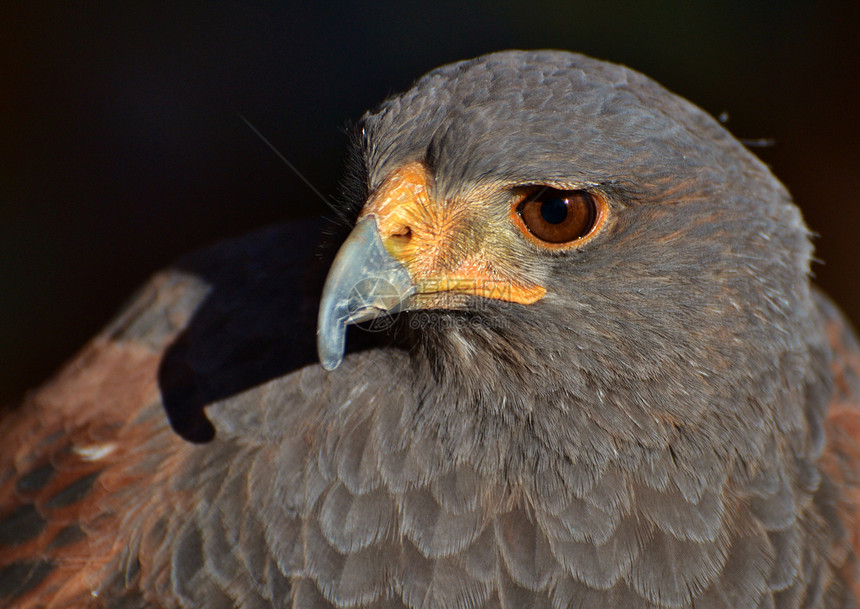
(364, 282)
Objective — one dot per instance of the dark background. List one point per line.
(121, 145)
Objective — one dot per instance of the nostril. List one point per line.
(397, 238)
(403, 233)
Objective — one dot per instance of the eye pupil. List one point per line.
(554, 210)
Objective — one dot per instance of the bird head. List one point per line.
(564, 234)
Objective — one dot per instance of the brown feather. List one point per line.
(841, 457)
(77, 482)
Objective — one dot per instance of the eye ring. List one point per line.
(559, 219)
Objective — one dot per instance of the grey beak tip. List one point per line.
(330, 349)
(331, 337)
(330, 363)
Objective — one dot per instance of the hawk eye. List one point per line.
(559, 216)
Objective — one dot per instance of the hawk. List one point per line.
(569, 357)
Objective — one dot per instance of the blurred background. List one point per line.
(121, 144)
